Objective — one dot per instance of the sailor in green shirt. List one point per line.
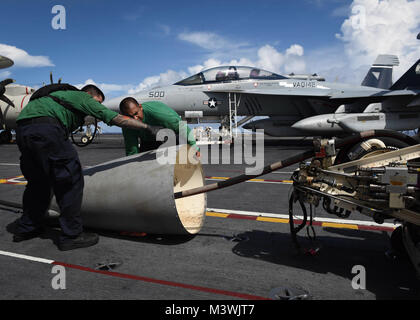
(80, 101)
(153, 113)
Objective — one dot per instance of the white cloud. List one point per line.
(291, 60)
(382, 27)
(370, 28)
(207, 40)
(296, 50)
(267, 57)
(228, 52)
(113, 90)
(210, 63)
(23, 59)
(217, 46)
(107, 88)
(169, 77)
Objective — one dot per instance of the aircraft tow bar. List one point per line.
(339, 143)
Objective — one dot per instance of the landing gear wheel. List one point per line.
(397, 243)
(86, 138)
(368, 148)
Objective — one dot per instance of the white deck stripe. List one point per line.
(286, 216)
(9, 164)
(25, 257)
(282, 172)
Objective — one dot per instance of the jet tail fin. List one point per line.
(410, 80)
(380, 74)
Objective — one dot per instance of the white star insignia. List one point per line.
(212, 103)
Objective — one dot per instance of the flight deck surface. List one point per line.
(243, 251)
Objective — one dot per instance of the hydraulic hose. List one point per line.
(244, 177)
(11, 204)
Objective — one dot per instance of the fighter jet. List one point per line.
(297, 105)
(12, 99)
(378, 76)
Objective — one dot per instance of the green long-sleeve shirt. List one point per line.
(156, 114)
(80, 100)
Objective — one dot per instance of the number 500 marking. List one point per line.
(156, 94)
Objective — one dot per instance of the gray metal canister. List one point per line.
(136, 193)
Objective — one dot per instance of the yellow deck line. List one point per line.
(339, 225)
(280, 220)
(8, 180)
(276, 220)
(217, 214)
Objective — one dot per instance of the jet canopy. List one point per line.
(227, 74)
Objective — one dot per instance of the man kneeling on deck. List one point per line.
(153, 113)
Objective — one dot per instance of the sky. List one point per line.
(125, 46)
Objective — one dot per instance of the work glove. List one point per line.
(154, 129)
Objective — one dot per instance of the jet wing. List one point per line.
(354, 96)
(281, 92)
(379, 95)
(336, 96)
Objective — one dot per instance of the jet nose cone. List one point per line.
(306, 124)
(253, 125)
(317, 124)
(247, 126)
(113, 104)
(321, 124)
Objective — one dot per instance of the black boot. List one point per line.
(83, 240)
(23, 236)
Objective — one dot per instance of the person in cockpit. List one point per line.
(254, 73)
(233, 74)
(220, 76)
